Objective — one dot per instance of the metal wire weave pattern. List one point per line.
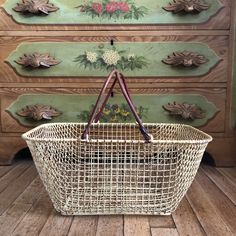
(115, 171)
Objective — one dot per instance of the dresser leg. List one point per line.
(223, 151)
(9, 146)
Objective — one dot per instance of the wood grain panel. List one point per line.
(12, 216)
(164, 232)
(207, 212)
(219, 44)
(11, 193)
(186, 221)
(110, 225)
(217, 194)
(225, 184)
(32, 192)
(136, 225)
(229, 173)
(33, 223)
(5, 169)
(219, 21)
(56, 224)
(211, 207)
(161, 222)
(12, 175)
(84, 225)
(16, 212)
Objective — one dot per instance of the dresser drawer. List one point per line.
(29, 107)
(147, 59)
(141, 15)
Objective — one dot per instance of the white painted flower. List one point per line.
(111, 57)
(91, 56)
(130, 56)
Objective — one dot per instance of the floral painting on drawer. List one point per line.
(134, 59)
(112, 11)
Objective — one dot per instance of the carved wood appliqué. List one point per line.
(185, 58)
(185, 110)
(35, 7)
(36, 60)
(38, 112)
(187, 6)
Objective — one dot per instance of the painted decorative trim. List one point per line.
(108, 12)
(184, 110)
(134, 59)
(185, 58)
(38, 112)
(35, 7)
(187, 6)
(76, 108)
(36, 60)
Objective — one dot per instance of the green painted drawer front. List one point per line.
(97, 59)
(76, 108)
(106, 12)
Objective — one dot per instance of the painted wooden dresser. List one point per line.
(177, 56)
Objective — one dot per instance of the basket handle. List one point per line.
(94, 117)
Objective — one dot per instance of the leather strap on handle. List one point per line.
(97, 111)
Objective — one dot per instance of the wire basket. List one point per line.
(116, 172)
(116, 168)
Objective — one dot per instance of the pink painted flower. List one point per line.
(111, 7)
(97, 7)
(123, 6)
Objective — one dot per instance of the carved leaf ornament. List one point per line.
(187, 6)
(36, 60)
(184, 110)
(38, 112)
(185, 58)
(35, 7)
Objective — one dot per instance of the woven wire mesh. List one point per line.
(115, 171)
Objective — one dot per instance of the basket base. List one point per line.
(112, 213)
(94, 214)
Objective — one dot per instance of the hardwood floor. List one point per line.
(208, 209)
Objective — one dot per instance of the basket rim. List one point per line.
(208, 138)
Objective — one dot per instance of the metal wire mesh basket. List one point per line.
(114, 168)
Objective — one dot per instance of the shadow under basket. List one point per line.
(116, 171)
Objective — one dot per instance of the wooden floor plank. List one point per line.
(136, 225)
(165, 232)
(229, 172)
(110, 226)
(226, 208)
(56, 225)
(11, 217)
(161, 222)
(13, 174)
(83, 225)
(26, 209)
(9, 194)
(225, 184)
(186, 221)
(206, 212)
(6, 169)
(31, 193)
(36, 217)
